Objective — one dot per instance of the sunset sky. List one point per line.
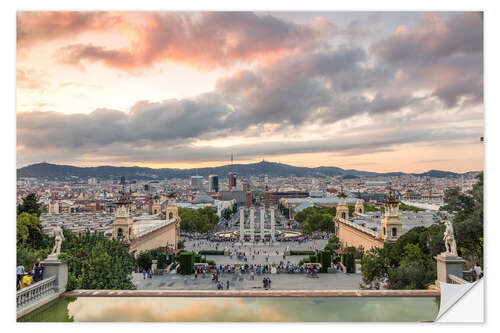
(369, 91)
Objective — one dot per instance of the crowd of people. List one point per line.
(26, 278)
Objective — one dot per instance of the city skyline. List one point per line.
(369, 91)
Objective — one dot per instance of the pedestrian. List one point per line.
(144, 273)
(19, 274)
(26, 280)
(227, 284)
(269, 283)
(478, 271)
(38, 271)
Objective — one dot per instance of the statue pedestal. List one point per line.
(59, 269)
(448, 263)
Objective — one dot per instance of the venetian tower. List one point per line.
(156, 206)
(391, 224)
(342, 208)
(172, 211)
(359, 207)
(123, 224)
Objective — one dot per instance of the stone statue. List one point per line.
(449, 239)
(58, 237)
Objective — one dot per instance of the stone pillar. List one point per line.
(154, 265)
(59, 269)
(447, 264)
(262, 221)
(242, 224)
(252, 223)
(273, 225)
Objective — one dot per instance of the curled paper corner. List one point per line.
(461, 303)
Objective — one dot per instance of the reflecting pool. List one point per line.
(237, 309)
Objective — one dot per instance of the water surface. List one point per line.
(237, 309)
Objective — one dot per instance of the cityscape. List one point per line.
(247, 166)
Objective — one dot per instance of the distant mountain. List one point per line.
(54, 171)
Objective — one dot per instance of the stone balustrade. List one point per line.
(36, 294)
(359, 227)
(456, 280)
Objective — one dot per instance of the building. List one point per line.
(146, 232)
(123, 224)
(53, 208)
(239, 196)
(249, 199)
(272, 198)
(368, 230)
(231, 181)
(197, 182)
(213, 184)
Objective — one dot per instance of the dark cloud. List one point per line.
(351, 143)
(444, 55)
(434, 37)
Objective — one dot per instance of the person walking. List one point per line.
(227, 285)
(19, 274)
(144, 273)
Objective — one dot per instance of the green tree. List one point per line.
(467, 212)
(29, 205)
(416, 270)
(314, 219)
(95, 262)
(29, 233)
(333, 244)
(145, 259)
(201, 220)
(374, 268)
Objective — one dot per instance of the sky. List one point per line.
(375, 91)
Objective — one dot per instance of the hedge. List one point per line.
(211, 252)
(186, 259)
(301, 252)
(325, 258)
(198, 258)
(348, 261)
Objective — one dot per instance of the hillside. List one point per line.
(54, 171)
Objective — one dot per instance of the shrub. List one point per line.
(301, 252)
(186, 259)
(325, 260)
(211, 252)
(348, 261)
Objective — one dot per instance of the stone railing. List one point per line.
(456, 280)
(35, 293)
(359, 227)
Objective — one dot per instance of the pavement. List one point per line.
(274, 252)
(283, 281)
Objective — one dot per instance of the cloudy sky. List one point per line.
(371, 91)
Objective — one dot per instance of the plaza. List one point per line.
(283, 281)
(256, 254)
